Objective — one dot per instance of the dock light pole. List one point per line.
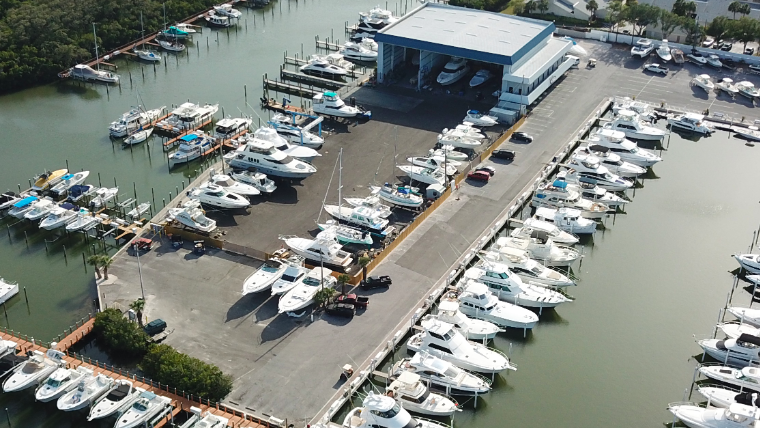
(139, 268)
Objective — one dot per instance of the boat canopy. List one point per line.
(748, 338)
(24, 202)
(598, 148)
(189, 137)
(330, 94)
(68, 206)
(559, 184)
(67, 177)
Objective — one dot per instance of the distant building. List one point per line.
(577, 8)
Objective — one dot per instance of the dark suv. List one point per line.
(522, 136)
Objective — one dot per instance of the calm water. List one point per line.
(616, 356)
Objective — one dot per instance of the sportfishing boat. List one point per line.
(382, 411)
(147, 405)
(192, 216)
(48, 179)
(357, 52)
(377, 14)
(399, 195)
(611, 161)
(696, 57)
(294, 133)
(527, 269)
(444, 341)
(270, 272)
(458, 141)
(59, 216)
(363, 217)
(227, 10)
(86, 392)
(591, 167)
(541, 247)
(189, 116)
(623, 147)
(567, 219)
(84, 220)
(428, 162)
(61, 381)
(264, 157)
(588, 189)
(217, 196)
(345, 234)
(302, 295)
(723, 396)
(373, 203)
(219, 21)
(663, 51)
(476, 301)
(642, 48)
(742, 351)
(746, 315)
(256, 179)
(629, 123)
(449, 153)
(303, 153)
(69, 180)
(289, 279)
(441, 375)
(704, 82)
(23, 206)
(39, 209)
(171, 45)
(424, 175)
(714, 61)
(324, 249)
(727, 85)
(472, 329)
(476, 118)
(558, 235)
(88, 74)
(691, 122)
(749, 262)
(7, 290)
(229, 127)
(133, 120)
(102, 196)
(508, 287)
(408, 391)
(33, 370)
(481, 77)
(745, 378)
(139, 210)
(558, 195)
(192, 146)
(330, 104)
(120, 396)
(748, 90)
(737, 415)
(453, 71)
(76, 193)
(234, 186)
(319, 66)
(138, 137)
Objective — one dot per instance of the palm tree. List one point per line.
(94, 260)
(735, 7)
(363, 262)
(592, 6)
(138, 306)
(543, 6)
(343, 279)
(105, 261)
(323, 296)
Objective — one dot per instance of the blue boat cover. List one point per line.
(24, 202)
(329, 94)
(189, 137)
(149, 395)
(78, 190)
(67, 206)
(67, 177)
(559, 183)
(473, 112)
(175, 30)
(403, 190)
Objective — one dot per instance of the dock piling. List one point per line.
(7, 414)
(84, 263)
(7, 323)
(65, 258)
(26, 239)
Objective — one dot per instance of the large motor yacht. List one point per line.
(217, 196)
(229, 127)
(325, 249)
(587, 166)
(691, 122)
(192, 216)
(133, 120)
(441, 375)
(558, 195)
(266, 158)
(508, 287)
(612, 161)
(189, 116)
(529, 270)
(192, 146)
(453, 71)
(629, 123)
(382, 411)
(626, 149)
(330, 104)
(302, 295)
(541, 247)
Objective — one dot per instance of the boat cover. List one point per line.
(78, 190)
(67, 177)
(68, 206)
(24, 202)
(598, 148)
(748, 338)
(189, 137)
(559, 184)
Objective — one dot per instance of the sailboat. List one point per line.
(170, 45)
(142, 53)
(86, 73)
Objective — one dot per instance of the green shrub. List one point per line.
(118, 335)
(164, 364)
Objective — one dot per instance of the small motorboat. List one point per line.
(737, 415)
(7, 290)
(409, 391)
(745, 378)
(541, 247)
(23, 206)
(70, 180)
(139, 210)
(458, 141)
(696, 58)
(147, 405)
(722, 396)
(428, 162)
(746, 315)
(302, 295)
(704, 82)
(147, 54)
(256, 179)
(87, 391)
(714, 61)
(472, 329)
(226, 9)
(442, 375)
(209, 420)
(424, 175)
(33, 370)
(453, 71)
(59, 216)
(138, 137)
(76, 193)
(448, 152)
(265, 276)
(678, 57)
(48, 179)
(372, 203)
(40, 209)
(84, 220)
(464, 132)
(219, 21)
(217, 196)
(192, 216)
(7, 347)
(691, 122)
(61, 381)
(748, 90)
(171, 45)
(749, 262)
(179, 31)
(362, 217)
(232, 185)
(345, 234)
(726, 85)
(476, 118)
(399, 195)
(481, 77)
(734, 329)
(102, 196)
(120, 396)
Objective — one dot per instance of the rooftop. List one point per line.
(535, 64)
(475, 34)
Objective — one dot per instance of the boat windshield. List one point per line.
(141, 406)
(451, 372)
(290, 278)
(312, 282)
(388, 414)
(536, 270)
(53, 383)
(270, 269)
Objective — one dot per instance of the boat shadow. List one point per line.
(247, 305)
(279, 327)
(699, 93)
(285, 194)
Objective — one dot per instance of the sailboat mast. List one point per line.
(142, 31)
(340, 181)
(95, 37)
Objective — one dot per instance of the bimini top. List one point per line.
(468, 33)
(559, 184)
(189, 137)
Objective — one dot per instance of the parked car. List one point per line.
(155, 327)
(708, 43)
(487, 169)
(656, 68)
(503, 154)
(377, 281)
(726, 46)
(353, 299)
(479, 176)
(749, 51)
(341, 309)
(522, 136)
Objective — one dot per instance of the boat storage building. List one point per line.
(530, 59)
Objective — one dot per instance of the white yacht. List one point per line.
(508, 287)
(357, 52)
(302, 295)
(171, 45)
(88, 74)
(444, 341)
(147, 405)
(745, 378)
(748, 90)
(61, 381)
(23, 206)
(470, 133)
(409, 391)
(229, 127)
(589, 189)
(189, 116)
(134, 120)
(373, 203)
(428, 162)
(303, 153)
(33, 370)
(424, 175)
(226, 9)
(453, 71)
(330, 104)
(481, 76)
(59, 216)
(696, 57)
(721, 396)
(289, 279)
(642, 48)
(84, 220)
(137, 137)
(40, 209)
(102, 196)
(232, 185)
(737, 415)
(7, 347)
(472, 329)
(644, 110)
(591, 167)
(734, 329)
(704, 82)
(691, 122)
(192, 146)
(442, 375)
(87, 391)
(727, 85)
(69, 180)
(743, 351)
(448, 152)
(746, 315)
(319, 66)
(7, 290)
(402, 196)
(558, 195)
(531, 225)
(477, 118)
(120, 396)
(208, 420)
(714, 61)
(529, 270)
(377, 14)
(294, 133)
(325, 249)
(192, 216)
(345, 234)
(748, 262)
(476, 301)
(264, 157)
(267, 274)
(541, 247)
(382, 411)
(219, 20)
(363, 217)
(458, 141)
(611, 161)
(258, 180)
(217, 196)
(7, 199)
(629, 123)
(567, 219)
(663, 51)
(626, 149)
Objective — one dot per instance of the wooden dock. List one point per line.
(313, 80)
(166, 129)
(300, 90)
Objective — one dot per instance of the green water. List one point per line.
(615, 356)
